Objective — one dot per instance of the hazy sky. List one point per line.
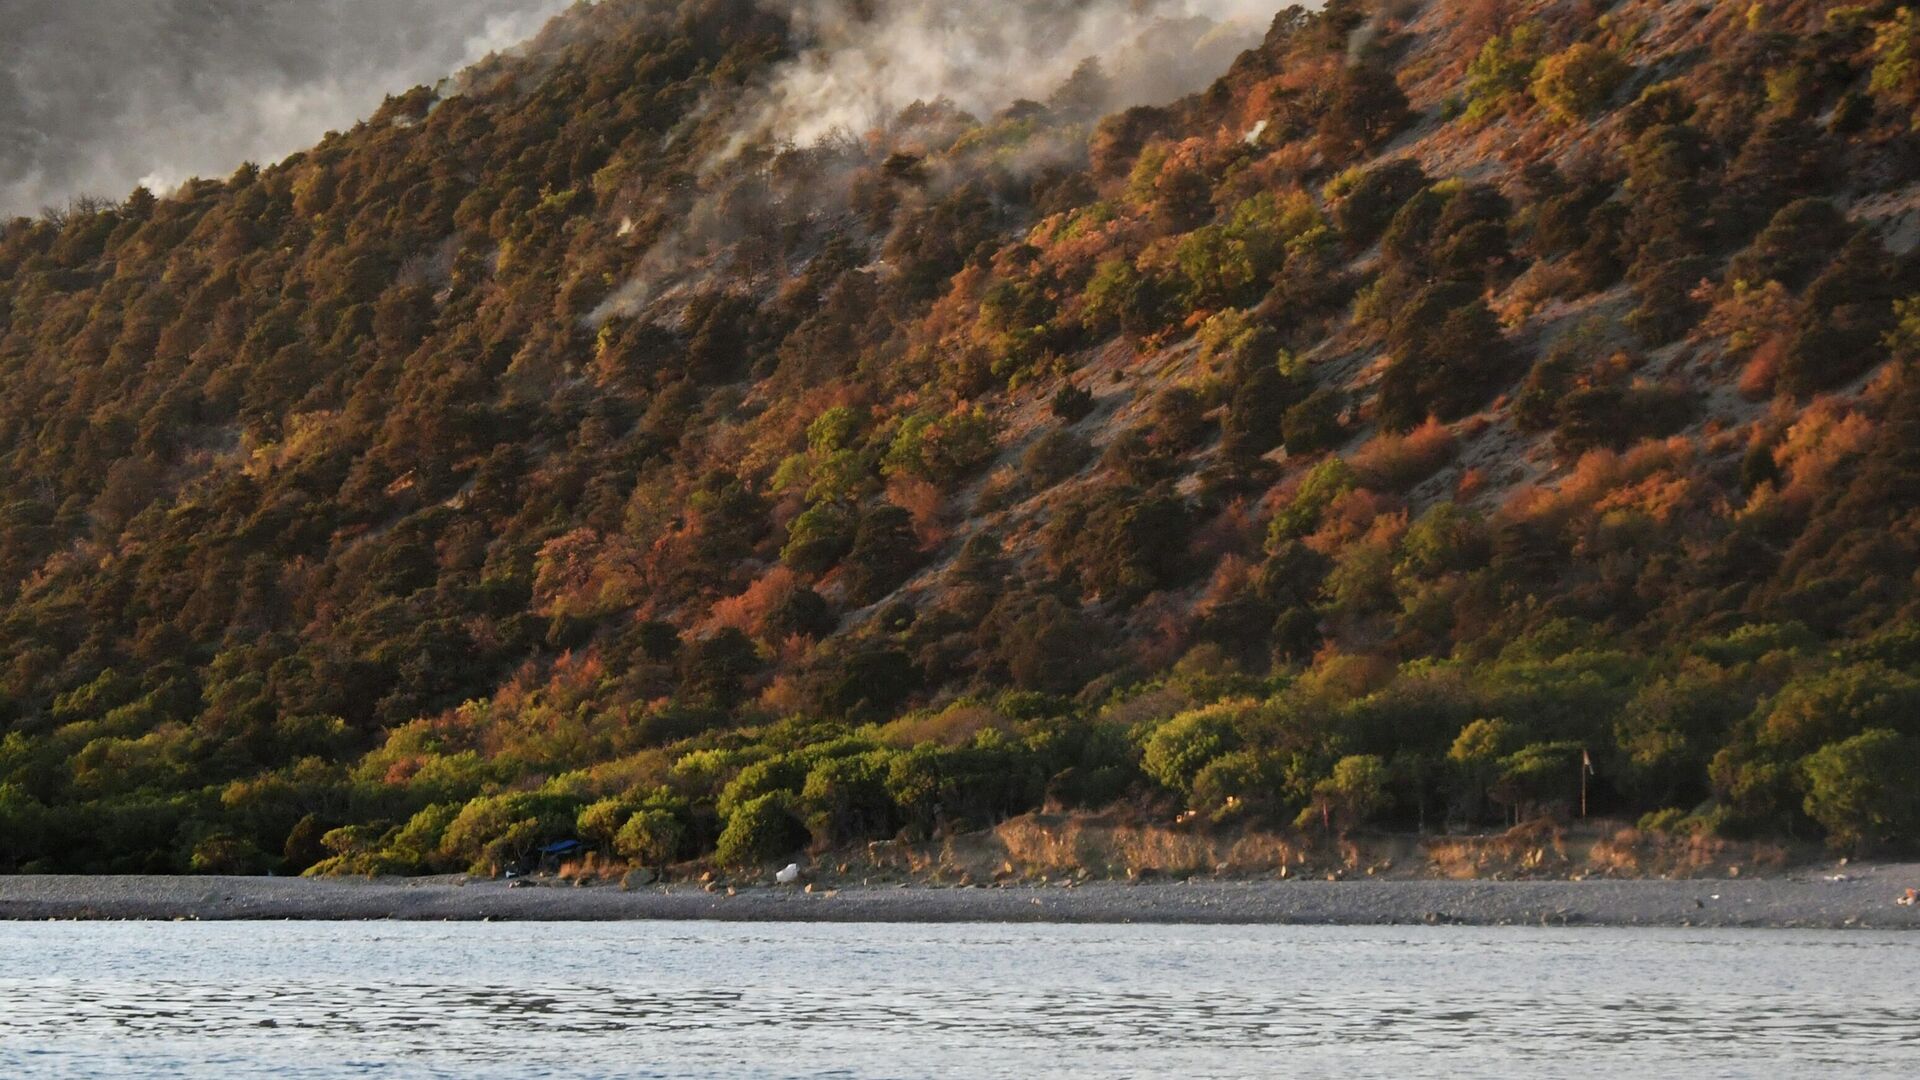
(97, 96)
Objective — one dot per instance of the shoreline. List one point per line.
(1854, 898)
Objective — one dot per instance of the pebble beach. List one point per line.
(1867, 897)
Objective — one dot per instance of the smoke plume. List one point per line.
(97, 96)
(861, 61)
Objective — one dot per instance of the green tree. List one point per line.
(1540, 779)
(1054, 457)
(1248, 780)
(1476, 755)
(1669, 733)
(1324, 483)
(1350, 797)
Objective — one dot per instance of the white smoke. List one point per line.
(97, 96)
(859, 62)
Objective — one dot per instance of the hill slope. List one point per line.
(1449, 393)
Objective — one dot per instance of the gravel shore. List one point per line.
(1864, 897)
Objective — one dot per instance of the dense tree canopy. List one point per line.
(536, 461)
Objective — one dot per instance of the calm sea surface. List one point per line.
(714, 1000)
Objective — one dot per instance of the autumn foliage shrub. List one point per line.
(1391, 462)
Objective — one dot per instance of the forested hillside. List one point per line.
(1449, 393)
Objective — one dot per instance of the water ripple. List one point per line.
(651, 1000)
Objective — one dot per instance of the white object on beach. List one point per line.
(789, 875)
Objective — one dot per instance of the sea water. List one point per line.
(327, 1000)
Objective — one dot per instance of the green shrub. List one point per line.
(1314, 424)
(1071, 404)
(1833, 705)
(1176, 752)
(820, 537)
(1054, 457)
(1615, 417)
(783, 773)
(1575, 84)
(599, 822)
(1265, 382)
(1247, 780)
(1447, 353)
(1865, 791)
(497, 832)
(942, 449)
(225, 853)
(1848, 320)
(651, 837)
(759, 831)
(1669, 822)
(715, 669)
(846, 799)
(1120, 542)
(1120, 297)
(1367, 204)
(801, 612)
(884, 554)
(1500, 70)
(1896, 58)
(1366, 108)
(417, 843)
(1326, 482)
(1047, 645)
(1669, 731)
